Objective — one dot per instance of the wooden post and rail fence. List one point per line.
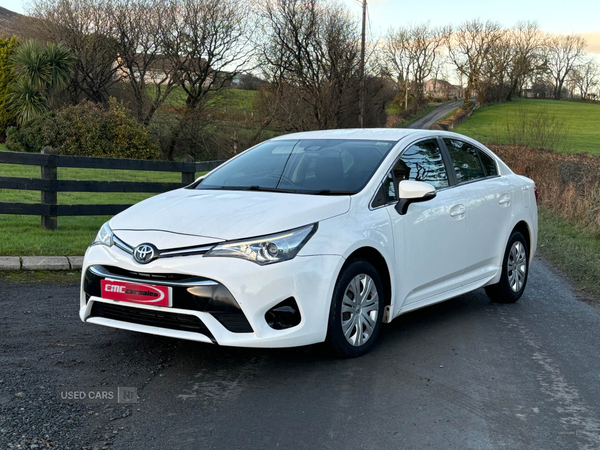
(50, 185)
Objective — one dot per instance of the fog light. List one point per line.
(283, 315)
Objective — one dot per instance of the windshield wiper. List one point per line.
(255, 187)
(330, 192)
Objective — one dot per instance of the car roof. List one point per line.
(375, 134)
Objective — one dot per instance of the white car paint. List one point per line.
(441, 248)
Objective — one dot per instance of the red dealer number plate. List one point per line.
(146, 294)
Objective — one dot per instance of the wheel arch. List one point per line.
(523, 227)
(377, 260)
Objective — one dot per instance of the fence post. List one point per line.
(50, 222)
(188, 177)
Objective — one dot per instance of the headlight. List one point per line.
(267, 249)
(104, 236)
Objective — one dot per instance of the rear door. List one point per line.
(488, 199)
(429, 239)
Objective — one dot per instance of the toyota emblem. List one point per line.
(144, 253)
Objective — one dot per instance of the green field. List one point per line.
(224, 100)
(582, 121)
(23, 235)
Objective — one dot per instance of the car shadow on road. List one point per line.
(429, 326)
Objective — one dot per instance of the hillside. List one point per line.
(580, 122)
(8, 21)
(15, 24)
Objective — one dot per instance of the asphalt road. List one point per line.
(426, 121)
(464, 374)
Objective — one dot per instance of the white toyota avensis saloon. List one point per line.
(315, 237)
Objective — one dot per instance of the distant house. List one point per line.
(442, 88)
(528, 93)
(247, 81)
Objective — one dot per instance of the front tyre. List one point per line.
(356, 311)
(515, 270)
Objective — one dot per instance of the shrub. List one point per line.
(86, 129)
(568, 184)
(539, 128)
(7, 76)
(32, 137)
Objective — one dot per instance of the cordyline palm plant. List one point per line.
(40, 70)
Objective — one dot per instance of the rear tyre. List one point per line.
(515, 270)
(356, 310)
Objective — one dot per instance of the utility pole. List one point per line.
(361, 93)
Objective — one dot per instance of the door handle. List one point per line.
(457, 211)
(504, 200)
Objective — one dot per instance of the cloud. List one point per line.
(593, 41)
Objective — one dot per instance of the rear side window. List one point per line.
(489, 165)
(465, 159)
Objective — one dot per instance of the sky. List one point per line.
(555, 16)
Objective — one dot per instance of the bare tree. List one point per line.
(311, 49)
(138, 37)
(413, 54)
(205, 43)
(563, 53)
(494, 76)
(587, 76)
(527, 59)
(83, 26)
(469, 47)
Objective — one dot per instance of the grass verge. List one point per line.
(417, 116)
(450, 114)
(24, 236)
(572, 248)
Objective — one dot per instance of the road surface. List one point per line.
(464, 374)
(426, 121)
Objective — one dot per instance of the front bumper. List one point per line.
(309, 280)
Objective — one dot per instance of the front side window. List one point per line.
(465, 158)
(420, 162)
(323, 166)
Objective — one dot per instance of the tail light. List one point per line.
(537, 195)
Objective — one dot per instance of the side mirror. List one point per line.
(413, 192)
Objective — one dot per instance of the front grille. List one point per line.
(214, 298)
(160, 319)
(144, 276)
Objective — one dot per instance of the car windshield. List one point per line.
(307, 166)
